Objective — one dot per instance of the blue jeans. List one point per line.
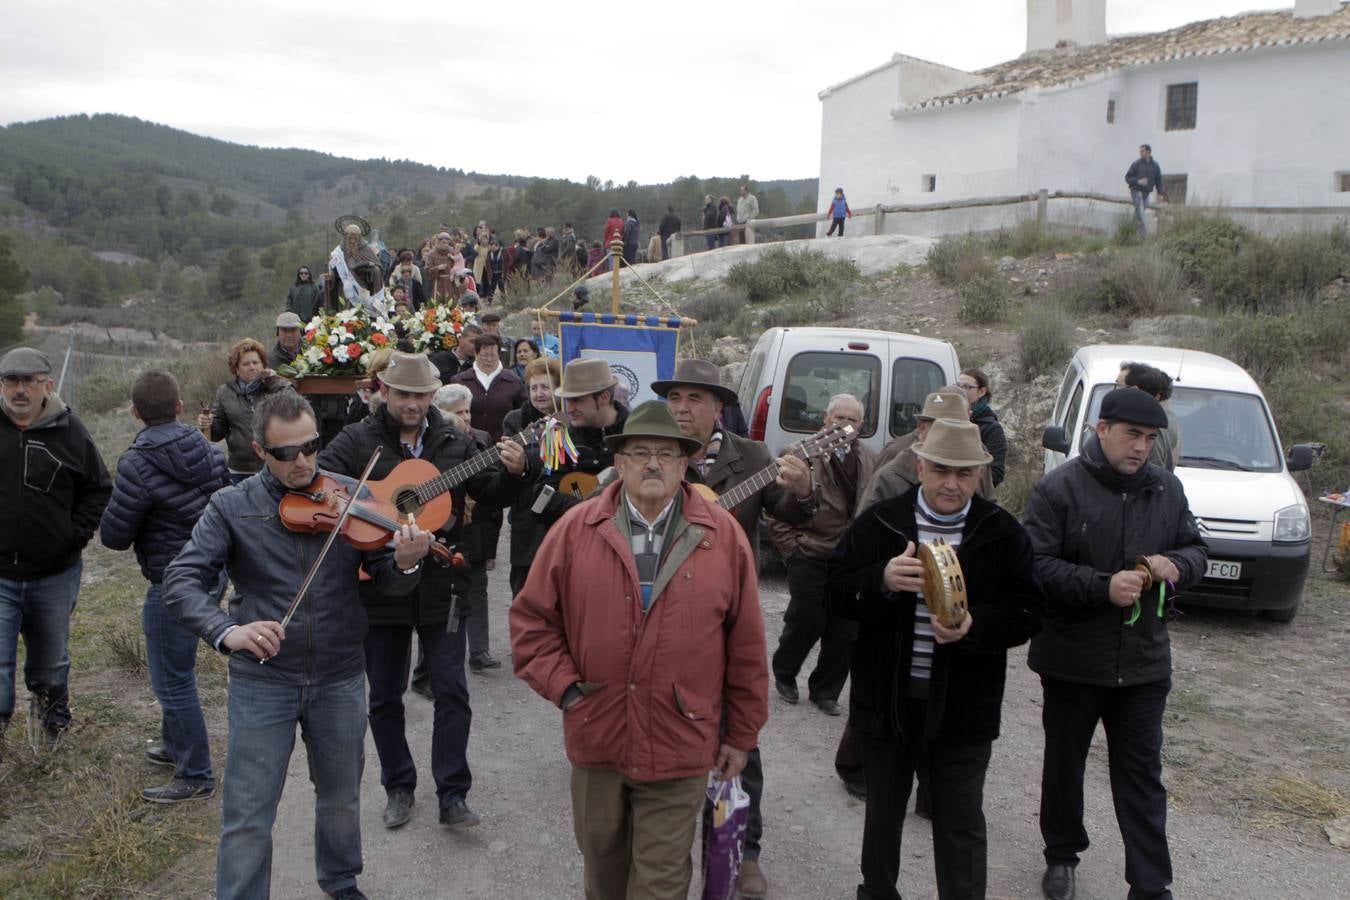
(39, 609)
(171, 655)
(387, 650)
(1140, 201)
(263, 716)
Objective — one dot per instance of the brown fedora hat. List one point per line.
(585, 376)
(411, 372)
(653, 419)
(946, 404)
(697, 373)
(955, 444)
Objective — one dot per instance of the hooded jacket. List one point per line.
(164, 481)
(1088, 522)
(53, 487)
(232, 419)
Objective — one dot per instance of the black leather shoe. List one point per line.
(157, 755)
(828, 707)
(787, 690)
(351, 893)
(923, 804)
(480, 661)
(457, 815)
(1058, 882)
(179, 791)
(856, 790)
(398, 809)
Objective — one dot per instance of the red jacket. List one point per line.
(655, 685)
(613, 230)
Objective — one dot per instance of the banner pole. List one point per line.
(616, 258)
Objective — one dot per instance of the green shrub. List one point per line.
(984, 300)
(1045, 340)
(1140, 283)
(1301, 404)
(956, 259)
(1205, 247)
(716, 311)
(1262, 344)
(1027, 238)
(779, 272)
(1311, 260)
(1127, 233)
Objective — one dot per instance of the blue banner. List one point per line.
(639, 349)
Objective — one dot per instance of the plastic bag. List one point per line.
(726, 811)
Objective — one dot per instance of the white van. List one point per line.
(793, 372)
(1248, 507)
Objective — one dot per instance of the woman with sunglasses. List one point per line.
(231, 413)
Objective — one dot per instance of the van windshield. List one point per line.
(1218, 429)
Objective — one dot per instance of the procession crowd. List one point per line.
(633, 549)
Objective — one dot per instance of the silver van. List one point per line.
(793, 372)
(1250, 510)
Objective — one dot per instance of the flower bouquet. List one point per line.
(339, 344)
(436, 326)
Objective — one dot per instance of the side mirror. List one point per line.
(1053, 438)
(1302, 457)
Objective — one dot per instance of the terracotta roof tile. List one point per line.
(1233, 34)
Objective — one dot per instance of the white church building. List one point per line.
(1247, 112)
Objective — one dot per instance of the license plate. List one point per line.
(1228, 571)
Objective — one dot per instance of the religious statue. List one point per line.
(355, 275)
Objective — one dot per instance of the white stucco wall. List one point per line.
(1270, 131)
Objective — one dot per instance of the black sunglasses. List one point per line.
(286, 454)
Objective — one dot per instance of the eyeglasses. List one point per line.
(642, 455)
(967, 386)
(286, 454)
(28, 381)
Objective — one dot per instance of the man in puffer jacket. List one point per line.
(163, 483)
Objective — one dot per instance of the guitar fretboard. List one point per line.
(454, 477)
(757, 482)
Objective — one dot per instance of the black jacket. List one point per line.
(232, 419)
(241, 532)
(966, 691)
(993, 438)
(1086, 523)
(164, 481)
(670, 224)
(1141, 169)
(527, 529)
(739, 459)
(304, 299)
(445, 447)
(710, 218)
(53, 487)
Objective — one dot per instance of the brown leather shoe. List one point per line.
(752, 885)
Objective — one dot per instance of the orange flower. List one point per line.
(353, 350)
(379, 339)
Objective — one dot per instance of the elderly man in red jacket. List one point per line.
(640, 619)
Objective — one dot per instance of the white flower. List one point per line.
(334, 339)
(314, 355)
(340, 353)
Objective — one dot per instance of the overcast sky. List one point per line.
(526, 88)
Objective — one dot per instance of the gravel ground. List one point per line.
(1217, 760)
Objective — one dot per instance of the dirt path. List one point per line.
(1252, 701)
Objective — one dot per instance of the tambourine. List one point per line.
(1141, 565)
(944, 585)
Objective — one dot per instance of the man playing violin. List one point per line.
(696, 397)
(310, 673)
(407, 426)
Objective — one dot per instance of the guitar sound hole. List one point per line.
(405, 501)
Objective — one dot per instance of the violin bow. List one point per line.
(328, 544)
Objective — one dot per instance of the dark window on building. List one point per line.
(1174, 188)
(1343, 181)
(1110, 112)
(1181, 102)
(928, 184)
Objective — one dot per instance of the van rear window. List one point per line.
(911, 382)
(813, 378)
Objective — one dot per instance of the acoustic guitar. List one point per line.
(817, 444)
(413, 487)
(578, 484)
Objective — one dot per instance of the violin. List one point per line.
(383, 508)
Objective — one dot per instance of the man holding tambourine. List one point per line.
(928, 667)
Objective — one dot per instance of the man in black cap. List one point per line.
(1114, 539)
(53, 496)
(696, 398)
(581, 295)
(492, 325)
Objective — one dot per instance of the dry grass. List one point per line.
(1288, 801)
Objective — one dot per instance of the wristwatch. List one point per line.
(417, 565)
